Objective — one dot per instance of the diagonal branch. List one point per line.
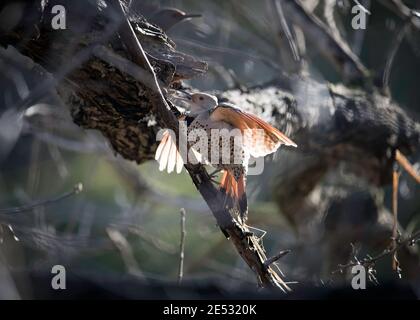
(407, 166)
(332, 48)
(371, 261)
(391, 57)
(182, 247)
(245, 241)
(401, 10)
(76, 190)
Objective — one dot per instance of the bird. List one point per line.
(208, 115)
(166, 18)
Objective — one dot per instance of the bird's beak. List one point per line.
(193, 15)
(185, 96)
(184, 99)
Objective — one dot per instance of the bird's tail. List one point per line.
(235, 192)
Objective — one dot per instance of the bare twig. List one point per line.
(273, 259)
(371, 261)
(206, 48)
(245, 242)
(329, 8)
(150, 239)
(402, 160)
(182, 246)
(125, 66)
(363, 7)
(331, 47)
(406, 165)
(126, 251)
(395, 182)
(76, 189)
(396, 242)
(404, 12)
(359, 36)
(391, 56)
(284, 29)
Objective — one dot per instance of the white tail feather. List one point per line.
(172, 158)
(167, 154)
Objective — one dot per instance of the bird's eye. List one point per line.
(201, 98)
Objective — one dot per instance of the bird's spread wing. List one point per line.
(167, 154)
(260, 137)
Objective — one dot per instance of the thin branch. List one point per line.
(275, 258)
(391, 56)
(182, 247)
(400, 9)
(126, 251)
(402, 160)
(329, 8)
(76, 190)
(150, 239)
(204, 47)
(125, 66)
(362, 6)
(359, 35)
(371, 261)
(406, 165)
(395, 182)
(284, 29)
(332, 48)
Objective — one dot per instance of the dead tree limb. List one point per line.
(250, 250)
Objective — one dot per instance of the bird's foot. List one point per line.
(214, 173)
(214, 181)
(260, 236)
(213, 176)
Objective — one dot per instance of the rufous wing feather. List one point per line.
(235, 190)
(260, 137)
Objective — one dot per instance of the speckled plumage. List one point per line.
(217, 142)
(225, 137)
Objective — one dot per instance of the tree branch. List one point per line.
(371, 261)
(245, 242)
(331, 47)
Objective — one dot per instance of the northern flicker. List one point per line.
(258, 139)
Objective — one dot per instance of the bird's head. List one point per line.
(202, 102)
(198, 102)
